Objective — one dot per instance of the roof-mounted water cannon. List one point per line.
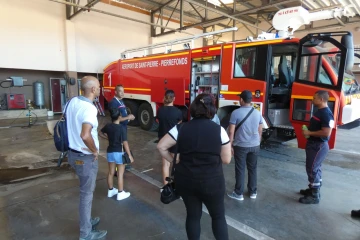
(288, 20)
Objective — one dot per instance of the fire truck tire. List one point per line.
(146, 116)
(225, 121)
(132, 108)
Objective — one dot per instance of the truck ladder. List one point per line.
(170, 43)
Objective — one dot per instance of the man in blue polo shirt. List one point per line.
(117, 102)
(317, 146)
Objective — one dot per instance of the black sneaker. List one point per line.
(355, 213)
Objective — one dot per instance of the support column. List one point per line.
(70, 56)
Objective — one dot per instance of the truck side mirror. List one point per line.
(347, 41)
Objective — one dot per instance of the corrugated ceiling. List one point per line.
(192, 16)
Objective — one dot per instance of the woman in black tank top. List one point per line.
(168, 116)
(203, 147)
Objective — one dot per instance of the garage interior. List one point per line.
(49, 45)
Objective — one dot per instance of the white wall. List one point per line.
(101, 38)
(32, 35)
(36, 35)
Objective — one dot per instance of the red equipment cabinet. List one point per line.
(15, 101)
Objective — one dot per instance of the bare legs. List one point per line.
(120, 175)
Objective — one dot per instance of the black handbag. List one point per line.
(126, 157)
(169, 193)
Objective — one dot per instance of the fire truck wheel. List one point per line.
(225, 121)
(132, 108)
(146, 116)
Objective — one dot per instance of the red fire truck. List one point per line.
(283, 75)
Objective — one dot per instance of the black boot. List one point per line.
(314, 198)
(355, 213)
(306, 192)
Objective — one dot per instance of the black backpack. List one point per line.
(61, 139)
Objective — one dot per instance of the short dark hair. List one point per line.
(323, 94)
(203, 106)
(119, 85)
(169, 96)
(246, 96)
(114, 114)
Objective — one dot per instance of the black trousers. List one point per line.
(211, 193)
(246, 156)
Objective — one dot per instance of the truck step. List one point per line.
(284, 126)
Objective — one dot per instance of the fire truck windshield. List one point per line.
(349, 84)
(321, 64)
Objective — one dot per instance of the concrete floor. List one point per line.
(40, 201)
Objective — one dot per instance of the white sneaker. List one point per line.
(122, 195)
(253, 195)
(112, 192)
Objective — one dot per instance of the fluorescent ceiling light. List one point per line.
(217, 3)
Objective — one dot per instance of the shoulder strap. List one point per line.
(66, 106)
(242, 121)
(179, 126)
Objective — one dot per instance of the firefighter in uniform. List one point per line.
(318, 134)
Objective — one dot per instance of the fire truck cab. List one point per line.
(283, 75)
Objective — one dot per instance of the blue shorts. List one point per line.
(115, 157)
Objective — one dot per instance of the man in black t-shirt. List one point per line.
(318, 134)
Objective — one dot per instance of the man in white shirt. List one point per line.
(82, 123)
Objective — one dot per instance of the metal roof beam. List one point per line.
(249, 11)
(181, 13)
(228, 10)
(221, 12)
(164, 5)
(114, 15)
(226, 7)
(90, 4)
(196, 10)
(158, 5)
(254, 10)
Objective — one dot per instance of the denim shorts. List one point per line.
(115, 157)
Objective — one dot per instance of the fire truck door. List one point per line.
(159, 86)
(315, 72)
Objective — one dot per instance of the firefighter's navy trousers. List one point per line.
(316, 152)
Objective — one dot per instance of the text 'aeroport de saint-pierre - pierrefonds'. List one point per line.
(155, 63)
